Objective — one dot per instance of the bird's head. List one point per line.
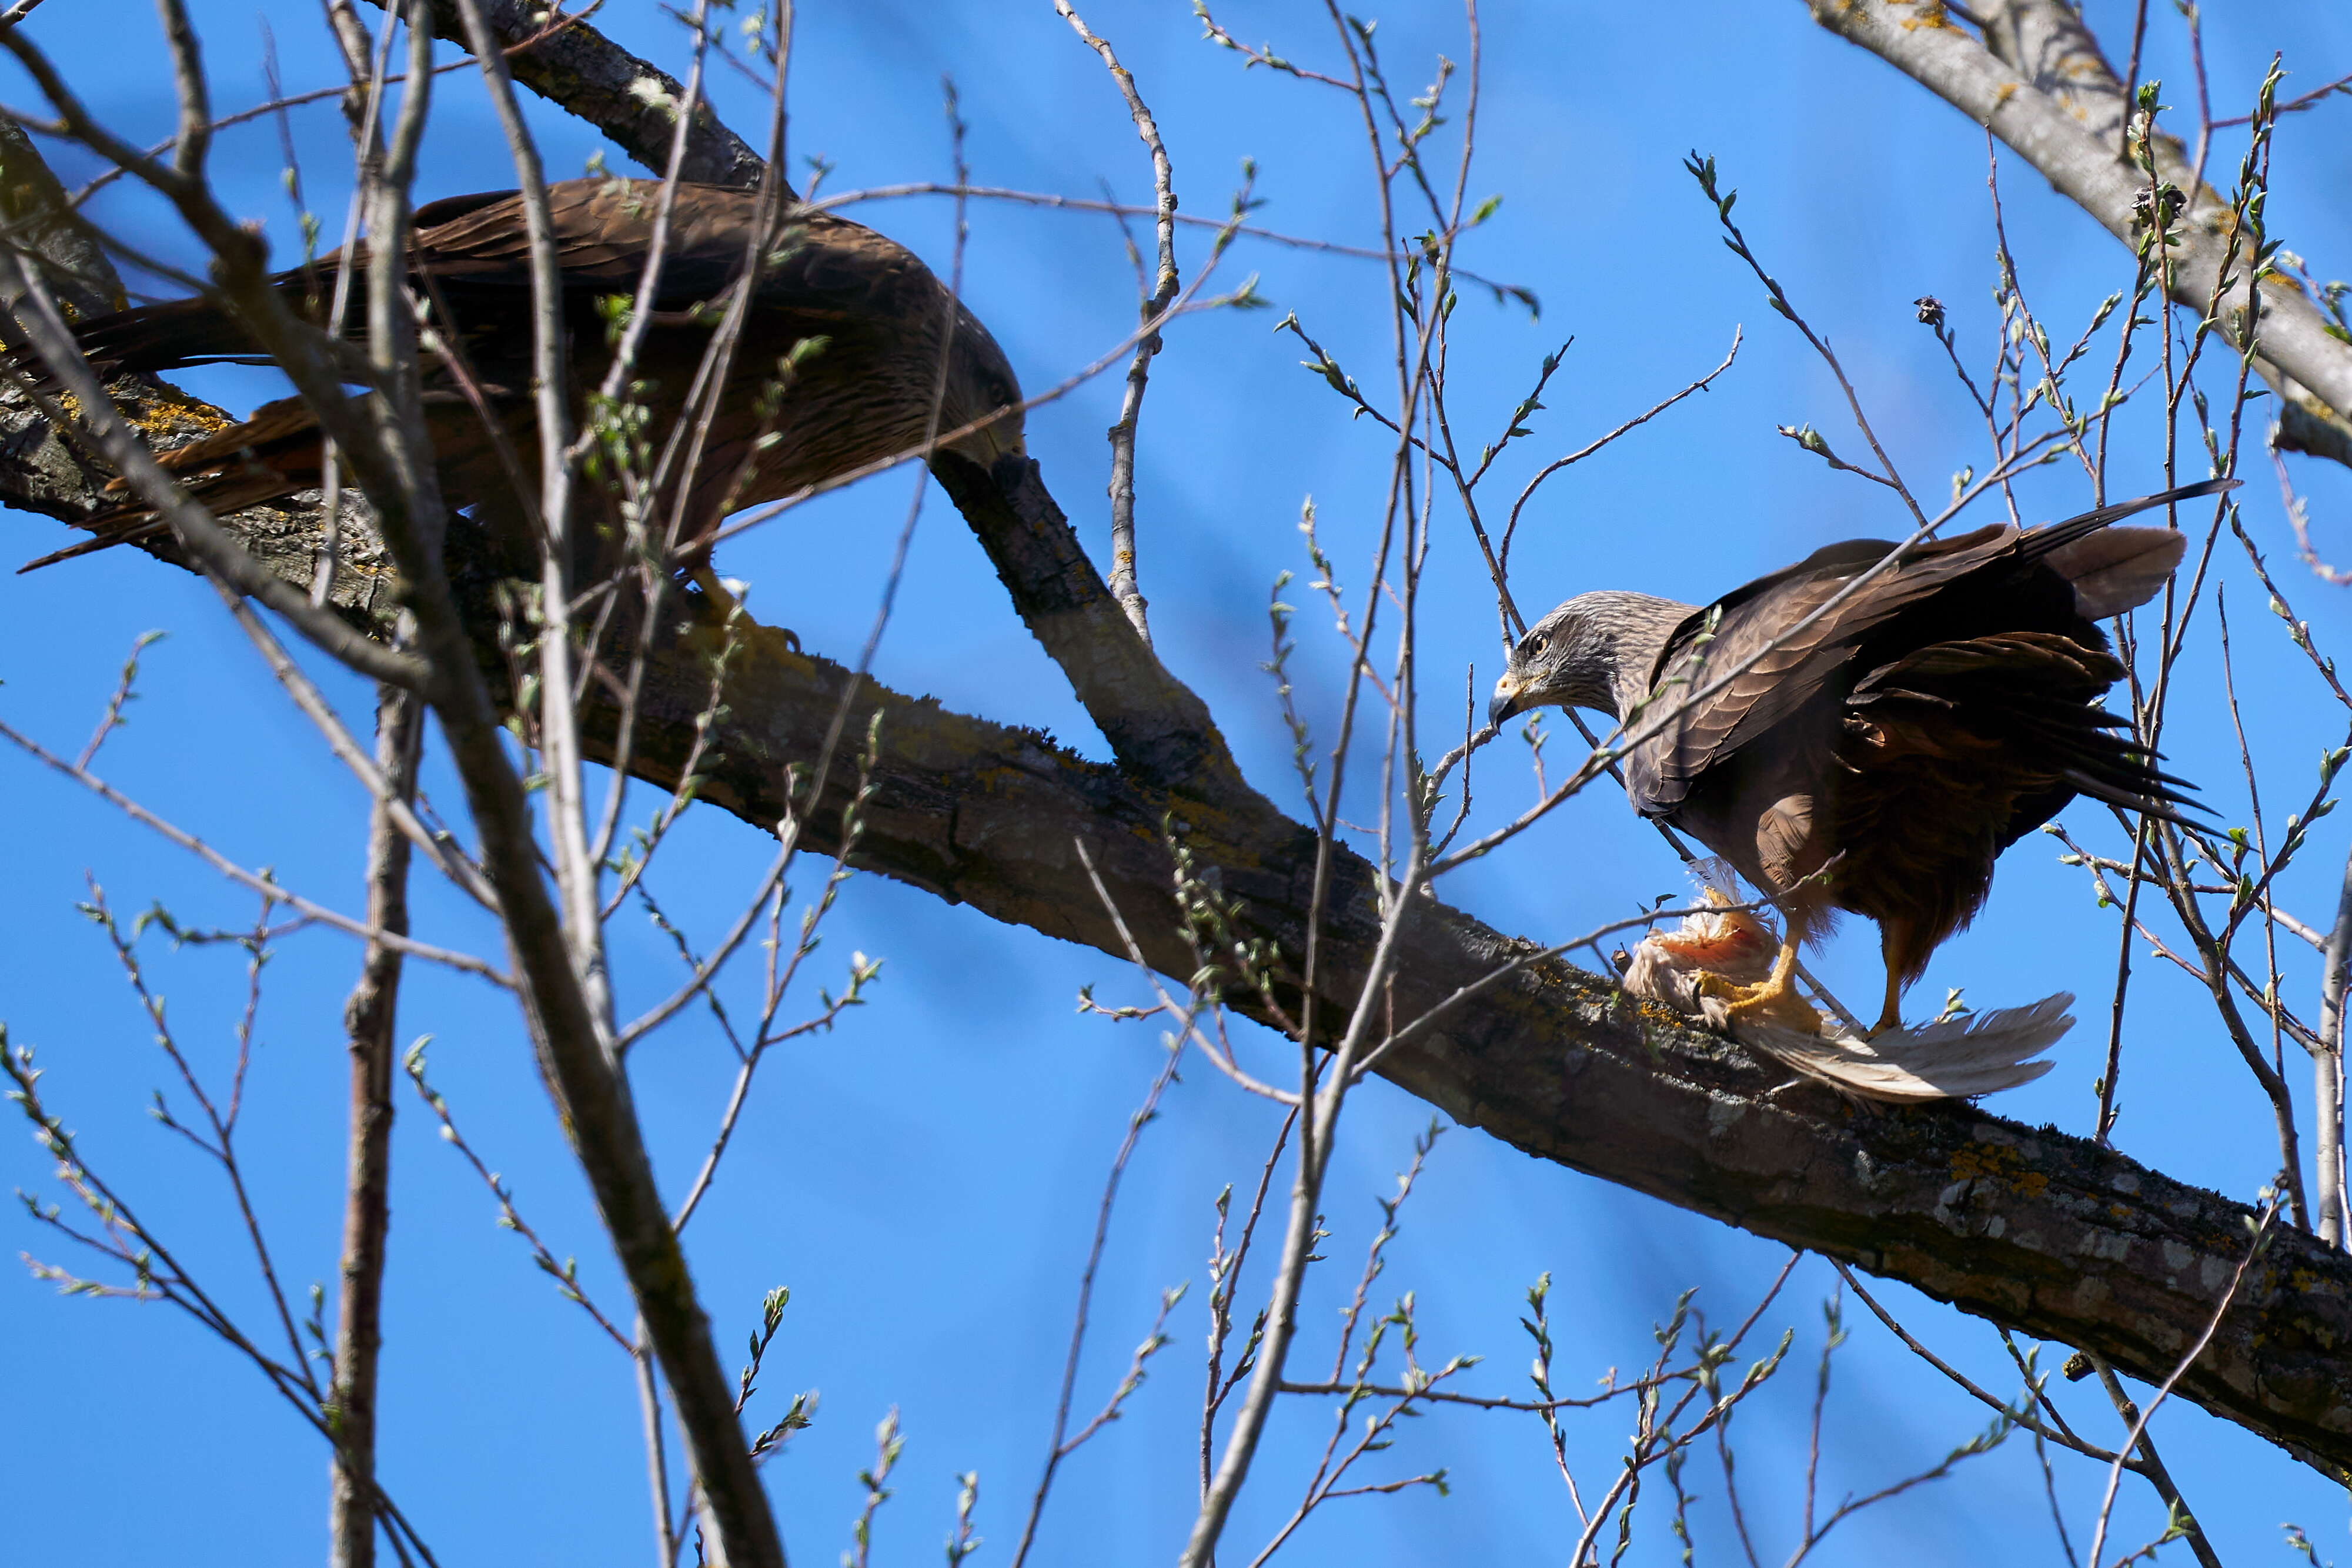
(1594, 652)
(980, 386)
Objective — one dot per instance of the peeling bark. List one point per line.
(2040, 83)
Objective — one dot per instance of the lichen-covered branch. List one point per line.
(2032, 1229)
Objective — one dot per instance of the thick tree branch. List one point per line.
(2032, 1229)
(2035, 1230)
(579, 69)
(1158, 729)
(40, 218)
(2045, 90)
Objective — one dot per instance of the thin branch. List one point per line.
(2257, 1239)
(258, 882)
(1123, 585)
(369, 1024)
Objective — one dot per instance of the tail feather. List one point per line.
(2115, 570)
(274, 454)
(168, 336)
(2167, 805)
(1954, 1059)
(128, 525)
(2052, 537)
(2033, 693)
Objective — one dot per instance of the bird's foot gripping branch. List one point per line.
(1722, 953)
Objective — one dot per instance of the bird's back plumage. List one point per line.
(873, 325)
(1918, 726)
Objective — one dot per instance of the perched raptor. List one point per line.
(1871, 751)
(879, 341)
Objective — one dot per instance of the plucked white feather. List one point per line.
(1958, 1059)
(1955, 1058)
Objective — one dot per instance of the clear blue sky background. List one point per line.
(925, 1177)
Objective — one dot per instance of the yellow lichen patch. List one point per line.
(1932, 14)
(2000, 1165)
(174, 413)
(1657, 1013)
(989, 778)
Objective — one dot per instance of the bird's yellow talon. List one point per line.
(1728, 990)
(1772, 1001)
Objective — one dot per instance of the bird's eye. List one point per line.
(1536, 645)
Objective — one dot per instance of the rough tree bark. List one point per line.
(2034, 1230)
(369, 1022)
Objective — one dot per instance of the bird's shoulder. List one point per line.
(1783, 641)
(826, 265)
(601, 231)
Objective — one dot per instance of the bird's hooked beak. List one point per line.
(1001, 437)
(1504, 702)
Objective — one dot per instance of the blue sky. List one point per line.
(925, 1177)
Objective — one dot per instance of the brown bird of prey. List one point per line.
(879, 340)
(1871, 751)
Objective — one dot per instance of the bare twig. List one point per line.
(258, 882)
(1155, 304)
(369, 1023)
(2257, 1238)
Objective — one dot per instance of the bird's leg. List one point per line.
(1890, 1017)
(1767, 995)
(705, 577)
(1774, 999)
(1892, 936)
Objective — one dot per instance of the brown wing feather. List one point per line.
(866, 396)
(477, 250)
(1793, 666)
(273, 454)
(277, 453)
(1952, 754)
(1993, 580)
